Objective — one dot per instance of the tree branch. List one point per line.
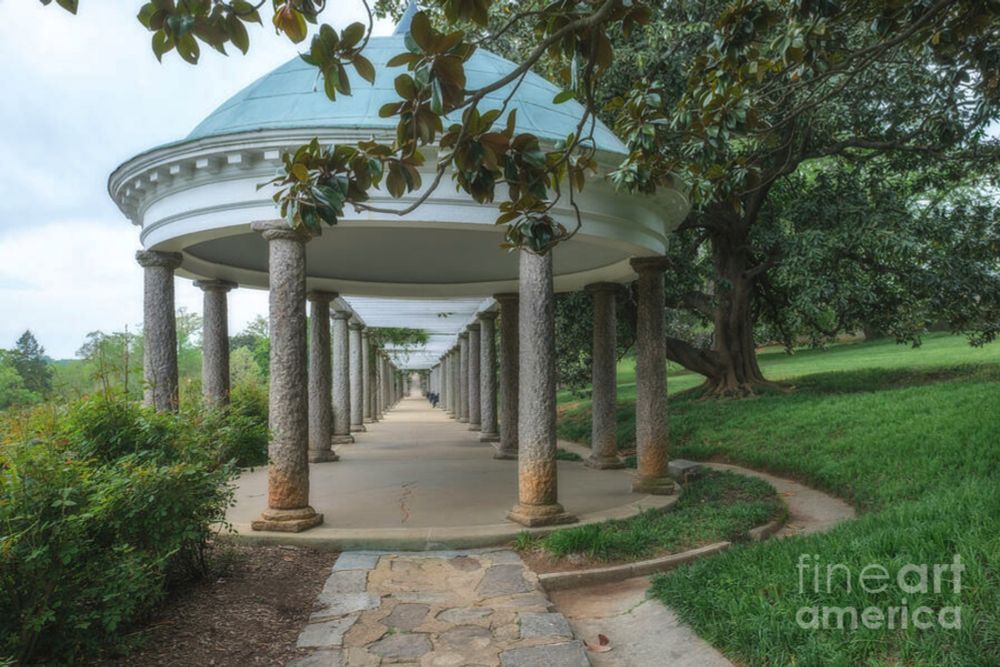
(702, 362)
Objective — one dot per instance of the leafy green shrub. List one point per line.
(239, 439)
(243, 436)
(250, 399)
(108, 428)
(97, 520)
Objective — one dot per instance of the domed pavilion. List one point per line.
(439, 269)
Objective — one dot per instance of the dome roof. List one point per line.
(291, 97)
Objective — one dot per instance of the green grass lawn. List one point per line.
(714, 507)
(911, 437)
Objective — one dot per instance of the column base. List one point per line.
(604, 462)
(489, 437)
(463, 420)
(287, 521)
(369, 420)
(358, 428)
(656, 486)
(475, 427)
(342, 440)
(325, 456)
(540, 515)
(502, 455)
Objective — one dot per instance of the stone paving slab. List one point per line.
(480, 607)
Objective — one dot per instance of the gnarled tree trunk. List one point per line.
(730, 367)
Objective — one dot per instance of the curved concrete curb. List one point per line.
(555, 581)
(432, 539)
(644, 631)
(835, 511)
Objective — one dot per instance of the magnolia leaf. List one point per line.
(238, 33)
(188, 48)
(351, 35)
(422, 32)
(563, 96)
(402, 59)
(364, 68)
(162, 43)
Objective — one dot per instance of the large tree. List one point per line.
(770, 89)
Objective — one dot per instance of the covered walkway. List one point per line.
(432, 263)
(419, 479)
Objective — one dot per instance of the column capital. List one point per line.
(506, 296)
(215, 285)
(487, 315)
(657, 264)
(147, 258)
(611, 288)
(340, 315)
(473, 326)
(463, 334)
(279, 230)
(356, 326)
(319, 296)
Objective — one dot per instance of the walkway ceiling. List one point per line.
(441, 319)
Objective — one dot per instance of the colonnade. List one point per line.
(321, 392)
(518, 413)
(504, 392)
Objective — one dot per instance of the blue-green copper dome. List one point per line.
(291, 97)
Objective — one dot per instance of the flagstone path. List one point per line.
(436, 609)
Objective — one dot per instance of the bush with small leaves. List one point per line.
(100, 514)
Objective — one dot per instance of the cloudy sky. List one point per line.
(79, 96)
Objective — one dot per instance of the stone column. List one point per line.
(377, 383)
(367, 385)
(159, 329)
(445, 385)
(456, 395)
(475, 409)
(357, 378)
(604, 378)
(288, 507)
(393, 384)
(488, 377)
(341, 380)
(320, 409)
(463, 377)
(453, 381)
(508, 375)
(390, 382)
(387, 370)
(215, 341)
(537, 475)
(383, 384)
(651, 381)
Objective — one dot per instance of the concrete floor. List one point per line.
(418, 469)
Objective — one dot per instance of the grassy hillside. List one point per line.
(912, 438)
(938, 349)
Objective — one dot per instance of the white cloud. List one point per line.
(82, 94)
